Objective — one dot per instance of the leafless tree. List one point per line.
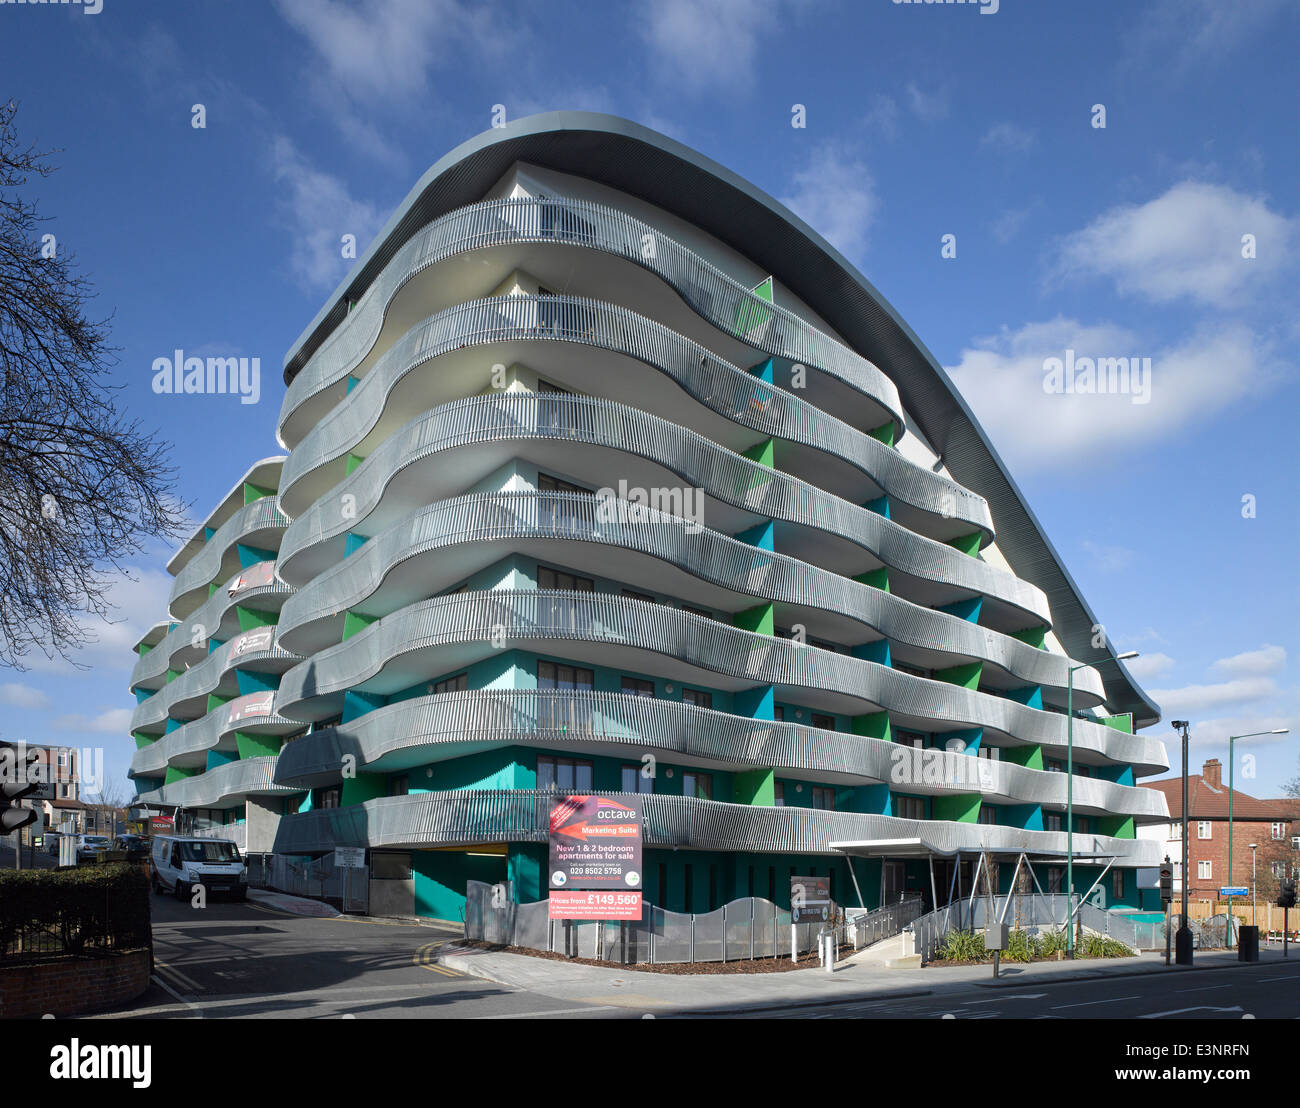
(81, 486)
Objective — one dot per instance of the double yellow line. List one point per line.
(424, 956)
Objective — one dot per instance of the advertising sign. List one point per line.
(253, 577)
(349, 857)
(810, 899)
(593, 904)
(595, 843)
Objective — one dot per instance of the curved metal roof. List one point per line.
(663, 172)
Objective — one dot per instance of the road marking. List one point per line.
(1017, 996)
(1287, 977)
(1204, 989)
(424, 956)
(552, 1012)
(181, 978)
(1180, 1011)
(1084, 1004)
(167, 988)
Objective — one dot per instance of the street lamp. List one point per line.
(1232, 767)
(1183, 945)
(1069, 792)
(1253, 847)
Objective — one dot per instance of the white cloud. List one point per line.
(1145, 667)
(835, 195)
(927, 106)
(1184, 243)
(1215, 732)
(702, 44)
(1190, 699)
(882, 116)
(112, 721)
(1184, 36)
(1009, 137)
(23, 696)
(384, 49)
(1253, 663)
(1003, 378)
(1007, 226)
(319, 210)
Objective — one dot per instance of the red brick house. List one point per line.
(1266, 822)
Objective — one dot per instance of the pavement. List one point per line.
(294, 905)
(853, 978)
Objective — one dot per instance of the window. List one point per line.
(399, 785)
(825, 723)
(992, 753)
(778, 713)
(909, 807)
(913, 670)
(561, 713)
(635, 780)
(697, 611)
(1204, 871)
(698, 785)
(632, 594)
(556, 514)
(912, 738)
(1051, 821)
(331, 797)
(988, 814)
(1203, 829)
(779, 794)
(548, 314)
(1054, 766)
(564, 774)
(553, 415)
(1119, 884)
(1279, 831)
(333, 721)
(459, 683)
(558, 579)
(1055, 879)
(697, 697)
(1083, 825)
(635, 686)
(1082, 771)
(823, 798)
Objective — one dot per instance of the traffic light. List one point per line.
(1286, 898)
(1166, 881)
(16, 782)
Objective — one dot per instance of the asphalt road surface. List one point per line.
(239, 960)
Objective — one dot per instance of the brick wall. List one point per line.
(1215, 851)
(71, 986)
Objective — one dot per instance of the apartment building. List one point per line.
(605, 473)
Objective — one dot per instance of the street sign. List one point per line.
(810, 899)
(594, 904)
(595, 844)
(1226, 891)
(349, 857)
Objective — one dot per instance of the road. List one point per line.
(238, 960)
(1261, 991)
(241, 960)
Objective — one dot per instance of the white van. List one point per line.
(180, 863)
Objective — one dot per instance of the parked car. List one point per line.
(137, 847)
(181, 863)
(90, 847)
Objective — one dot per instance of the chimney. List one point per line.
(1212, 772)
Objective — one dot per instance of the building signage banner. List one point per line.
(253, 577)
(810, 899)
(253, 704)
(593, 904)
(1233, 890)
(595, 843)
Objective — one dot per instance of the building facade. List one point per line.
(605, 473)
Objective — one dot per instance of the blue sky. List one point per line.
(922, 121)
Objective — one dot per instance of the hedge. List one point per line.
(73, 911)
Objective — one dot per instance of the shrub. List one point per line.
(963, 946)
(74, 910)
(1051, 943)
(1099, 946)
(1021, 947)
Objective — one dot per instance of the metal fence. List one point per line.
(315, 878)
(747, 928)
(1034, 913)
